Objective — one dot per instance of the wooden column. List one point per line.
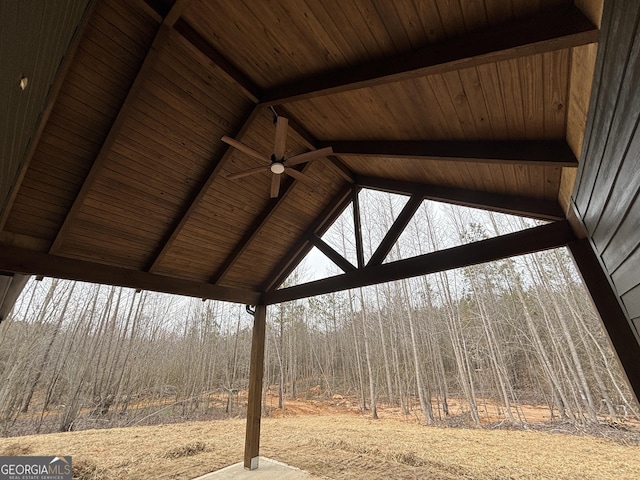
(254, 407)
(622, 334)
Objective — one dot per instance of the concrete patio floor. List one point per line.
(267, 469)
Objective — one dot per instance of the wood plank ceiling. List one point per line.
(474, 102)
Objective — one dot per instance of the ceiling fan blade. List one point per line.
(308, 156)
(301, 176)
(281, 137)
(246, 173)
(275, 185)
(244, 148)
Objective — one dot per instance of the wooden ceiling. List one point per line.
(478, 103)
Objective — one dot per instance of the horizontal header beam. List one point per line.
(526, 241)
(18, 260)
(539, 208)
(552, 153)
(546, 32)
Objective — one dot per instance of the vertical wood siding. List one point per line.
(608, 184)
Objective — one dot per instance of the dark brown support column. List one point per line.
(618, 326)
(254, 407)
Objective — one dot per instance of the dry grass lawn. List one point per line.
(338, 446)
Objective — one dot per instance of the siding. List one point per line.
(34, 37)
(608, 183)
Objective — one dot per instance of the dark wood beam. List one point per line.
(249, 89)
(531, 240)
(13, 259)
(396, 230)
(543, 209)
(303, 246)
(254, 401)
(545, 32)
(52, 96)
(357, 225)
(552, 153)
(332, 255)
(192, 203)
(621, 332)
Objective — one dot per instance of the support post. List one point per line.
(254, 406)
(621, 333)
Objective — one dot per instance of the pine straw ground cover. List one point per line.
(339, 446)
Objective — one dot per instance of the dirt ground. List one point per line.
(333, 440)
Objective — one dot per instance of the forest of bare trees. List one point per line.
(506, 333)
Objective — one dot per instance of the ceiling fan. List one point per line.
(277, 164)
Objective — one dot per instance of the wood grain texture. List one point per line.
(71, 137)
(256, 370)
(547, 32)
(44, 48)
(478, 130)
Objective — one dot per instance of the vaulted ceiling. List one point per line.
(118, 174)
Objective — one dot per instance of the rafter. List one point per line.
(555, 153)
(23, 261)
(539, 208)
(291, 260)
(248, 88)
(534, 239)
(548, 31)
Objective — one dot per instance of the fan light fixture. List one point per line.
(277, 168)
(277, 163)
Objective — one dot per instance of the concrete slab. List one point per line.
(267, 470)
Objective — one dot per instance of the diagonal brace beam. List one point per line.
(334, 256)
(396, 230)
